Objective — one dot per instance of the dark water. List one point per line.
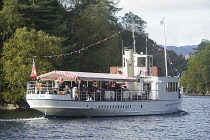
(192, 123)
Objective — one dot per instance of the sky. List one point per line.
(187, 22)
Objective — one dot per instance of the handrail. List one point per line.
(89, 94)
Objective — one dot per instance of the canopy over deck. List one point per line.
(86, 76)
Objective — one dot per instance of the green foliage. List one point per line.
(92, 24)
(132, 19)
(17, 59)
(1, 4)
(204, 43)
(10, 19)
(44, 15)
(197, 76)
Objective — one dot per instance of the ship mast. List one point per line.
(133, 34)
(166, 67)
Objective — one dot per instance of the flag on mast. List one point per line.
(33, 71)
(162, 22)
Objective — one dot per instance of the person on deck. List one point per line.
(39, 84)
(56, 80)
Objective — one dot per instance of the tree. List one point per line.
(93, 23)
(17, 59)
(10, 19)
(197, 75)
(205, 65)
(129, 20)
(204, 43)
(44, 15)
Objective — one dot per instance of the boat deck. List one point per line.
(99, 94)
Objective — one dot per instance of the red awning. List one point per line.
(86, 76)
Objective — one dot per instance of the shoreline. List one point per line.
(14, 106)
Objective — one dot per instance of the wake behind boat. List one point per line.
(136, 88)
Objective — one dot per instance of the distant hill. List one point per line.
(184, 50)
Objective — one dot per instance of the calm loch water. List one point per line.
(192, 123)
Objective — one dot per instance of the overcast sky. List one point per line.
(187, 22)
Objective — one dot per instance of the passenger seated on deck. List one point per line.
(62, 86)
(67, 89)
(39, 83)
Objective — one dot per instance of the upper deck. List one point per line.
(110, 91)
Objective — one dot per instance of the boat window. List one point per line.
(176, 86)
(171, 86)
(141, 62)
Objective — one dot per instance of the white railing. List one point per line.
(88, 94)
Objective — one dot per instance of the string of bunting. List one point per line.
(168, 59)
(157, 47)
(173, 67)
(101, 41)
(83, 49)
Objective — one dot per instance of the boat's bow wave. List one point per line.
(23, 119)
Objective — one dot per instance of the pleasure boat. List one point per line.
(135, 88)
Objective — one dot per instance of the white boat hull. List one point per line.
(62, 106)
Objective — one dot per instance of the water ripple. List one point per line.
(192, 123)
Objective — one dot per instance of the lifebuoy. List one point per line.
(140, 72)
(143, 72)
(119, 72)
(95, 83)
(112, 84)
(124, 84)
